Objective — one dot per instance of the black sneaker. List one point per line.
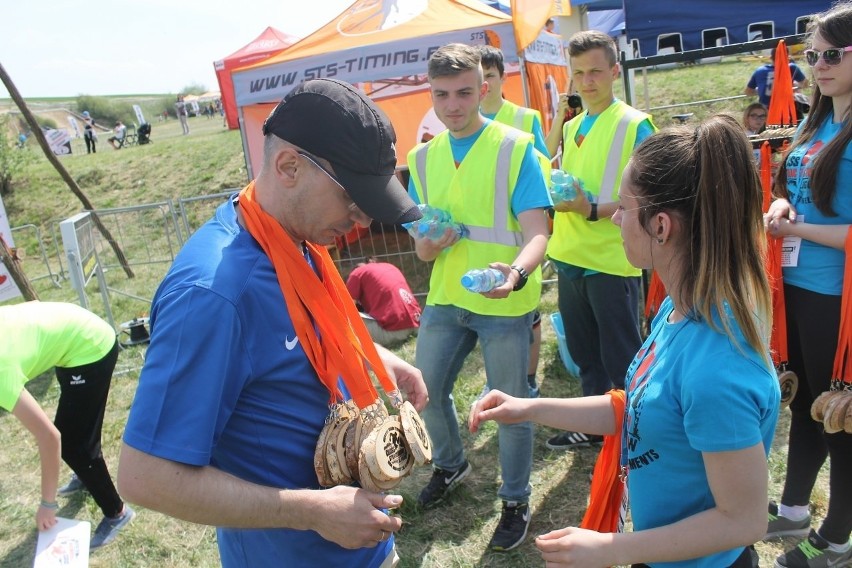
(441, 483)
(570, 440)
(512, 528)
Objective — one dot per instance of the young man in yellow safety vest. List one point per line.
(598, 287)
(487, 176)
(495, 107)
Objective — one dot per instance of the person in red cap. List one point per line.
(247, 329)
(388, 306)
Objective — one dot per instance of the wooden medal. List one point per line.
(320, 465)
(416, 434)
(336, 470)
(387, 453)
(369, 481)
(789, 383)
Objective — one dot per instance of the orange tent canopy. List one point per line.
(268, 43)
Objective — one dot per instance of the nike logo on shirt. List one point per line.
(290, 343)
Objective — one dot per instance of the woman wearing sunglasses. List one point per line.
(815, 204)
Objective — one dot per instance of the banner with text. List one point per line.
(407, 56)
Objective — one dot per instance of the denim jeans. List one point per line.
(447, 335)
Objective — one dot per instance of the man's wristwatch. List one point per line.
(593, 214)
(524, 276)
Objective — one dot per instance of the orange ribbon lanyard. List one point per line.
(331, 332)
(842, 363)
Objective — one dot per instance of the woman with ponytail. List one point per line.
(814, 205)
(691, 211)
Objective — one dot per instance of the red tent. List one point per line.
(270, 42)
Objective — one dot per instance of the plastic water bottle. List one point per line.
(434, 224)
(561, 186)
(482, 279)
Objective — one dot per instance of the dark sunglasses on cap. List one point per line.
(831, 56)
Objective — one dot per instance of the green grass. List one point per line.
(205, 162)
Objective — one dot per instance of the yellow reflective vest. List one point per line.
(598, 162)
(478, 194)
(523, 118)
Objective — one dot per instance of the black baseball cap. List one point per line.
(333, 120)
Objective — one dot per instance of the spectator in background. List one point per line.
(180, 110)
(381, 291)
(40, 336)
(119, 133)
(761, 80)
(550, 26)
(89, 134)
(754, 119)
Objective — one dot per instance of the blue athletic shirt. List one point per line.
(820, 268)
(226, 383)
(528, 192)
(691, 390)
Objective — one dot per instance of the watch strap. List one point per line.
(593, 214)
(524, 276)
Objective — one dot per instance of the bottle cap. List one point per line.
(467, 280)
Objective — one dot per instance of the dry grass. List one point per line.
(455, 535)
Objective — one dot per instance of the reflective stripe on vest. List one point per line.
(497, 233)
(613, 157)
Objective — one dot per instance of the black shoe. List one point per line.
(570, 440)
(441, 483)
(512, 528)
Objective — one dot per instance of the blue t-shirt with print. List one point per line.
(691, 390)
(819, 268)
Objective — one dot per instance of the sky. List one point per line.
(65, 48)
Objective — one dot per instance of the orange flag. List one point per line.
(782, 107)
(607, 488)
(528, 19)
(778, 339)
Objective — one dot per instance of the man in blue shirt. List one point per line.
(762, 79)
(230, 402)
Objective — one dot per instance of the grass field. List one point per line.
(207, 161)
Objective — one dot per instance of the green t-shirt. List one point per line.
(38, 336)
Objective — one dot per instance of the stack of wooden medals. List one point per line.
(371, 446)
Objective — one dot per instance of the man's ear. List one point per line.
(287, 166)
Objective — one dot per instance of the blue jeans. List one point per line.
(447, 335)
